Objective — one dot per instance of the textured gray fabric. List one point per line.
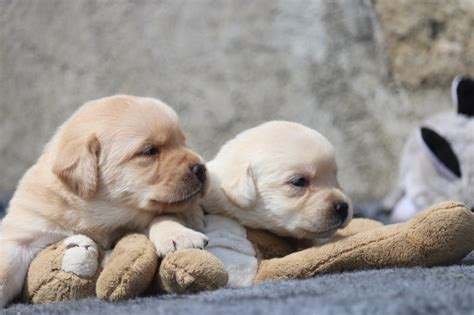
(439, 290)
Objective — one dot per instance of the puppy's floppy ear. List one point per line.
(76, 164)
(241, 189)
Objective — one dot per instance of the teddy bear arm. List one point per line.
(357, 226)
(440, 235)
(268, 245)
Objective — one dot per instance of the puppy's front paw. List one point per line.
(184, 238)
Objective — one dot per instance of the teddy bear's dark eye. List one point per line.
(299, 182)
(150, 151)
(441, 150)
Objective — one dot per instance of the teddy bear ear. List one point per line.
(462, 92)
(440, 152)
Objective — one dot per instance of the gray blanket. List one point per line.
(438, 290)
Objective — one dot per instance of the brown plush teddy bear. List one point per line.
(440, 235)
(71, 269)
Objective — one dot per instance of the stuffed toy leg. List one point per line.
(440, 235)
(71, 269)
(66, 270)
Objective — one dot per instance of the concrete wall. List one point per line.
(223, 65)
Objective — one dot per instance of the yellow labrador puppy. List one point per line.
(118, 164)
(281, 177)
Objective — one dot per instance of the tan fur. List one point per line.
(128, 272)
(47, 282)
(129, 269)
(440, 235)
(191, 271)
(94, 179)
(268, 245)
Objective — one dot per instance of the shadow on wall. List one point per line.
(4, 200)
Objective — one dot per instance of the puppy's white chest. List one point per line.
(228, 242)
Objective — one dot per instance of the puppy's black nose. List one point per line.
(342, 210)
(200, 171)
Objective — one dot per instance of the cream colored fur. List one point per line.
(251, 186)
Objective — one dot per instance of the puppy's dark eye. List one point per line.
(299, 182)
(150, 151)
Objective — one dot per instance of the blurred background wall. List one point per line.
(362, 72)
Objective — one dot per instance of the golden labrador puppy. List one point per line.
(118, 164)
(279, 176)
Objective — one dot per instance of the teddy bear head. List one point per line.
(439, 163)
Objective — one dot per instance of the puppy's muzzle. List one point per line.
(199, 170)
